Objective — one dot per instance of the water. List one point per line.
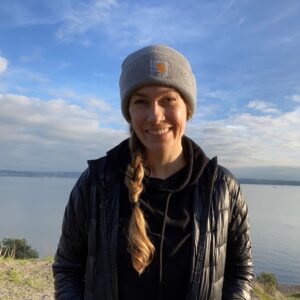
(275, 225)
(33, 208)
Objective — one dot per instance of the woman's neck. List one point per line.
(163, 165)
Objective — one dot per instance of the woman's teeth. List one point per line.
(159, 131)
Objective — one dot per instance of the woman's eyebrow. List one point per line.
(138, 94)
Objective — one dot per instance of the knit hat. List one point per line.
(157, 65)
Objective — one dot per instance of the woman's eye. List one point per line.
(139, 101)
(169, 100)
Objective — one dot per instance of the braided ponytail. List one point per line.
(139, 244)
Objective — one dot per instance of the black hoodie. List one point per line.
(167, 206)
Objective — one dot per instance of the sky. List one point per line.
(60, 63)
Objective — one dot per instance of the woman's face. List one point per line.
(158, 116)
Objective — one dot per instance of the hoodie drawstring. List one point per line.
(161, 246)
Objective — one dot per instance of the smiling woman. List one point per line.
(155, 218)
(158, 117)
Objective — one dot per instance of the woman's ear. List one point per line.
(130, 127)
(188, 113)
(188, 109)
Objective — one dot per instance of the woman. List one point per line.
(155, 218)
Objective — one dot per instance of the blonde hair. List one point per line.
(139, 244)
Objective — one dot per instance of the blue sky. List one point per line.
(60, 65)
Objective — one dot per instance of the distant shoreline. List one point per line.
(9, 173)
(274, 182)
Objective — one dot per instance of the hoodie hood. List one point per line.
(195, 158)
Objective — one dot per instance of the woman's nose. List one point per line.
(155, 114)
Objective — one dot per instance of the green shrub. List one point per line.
(20, 248)
(268, 281)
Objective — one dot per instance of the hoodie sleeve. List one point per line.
(71, 254)
(238, 275)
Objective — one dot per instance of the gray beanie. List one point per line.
(157, 65)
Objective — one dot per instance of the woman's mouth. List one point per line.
(159, 131)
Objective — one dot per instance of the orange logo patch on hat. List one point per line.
(158, 68)
(161, 67)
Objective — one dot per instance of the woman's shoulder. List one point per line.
(107, 167)
(225, 175)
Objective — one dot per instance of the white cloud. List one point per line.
(295, 98)
(241, 21)
(58, 135)
(85, 17)
(280, 41)
(54, 134)
(99, 104)
(286, 11)
(36, 54)
(249, 140)
(220, 95)
(20, 13)
(19, 74)
(230, 4)
(128, 30)
(3, 64)
(123, 23)
(262, 106)
(130, 24)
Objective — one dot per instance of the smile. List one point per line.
(160, 131)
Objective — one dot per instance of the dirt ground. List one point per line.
(26, 279)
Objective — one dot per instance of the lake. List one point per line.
(33, 208)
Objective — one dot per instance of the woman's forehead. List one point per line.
(153, 90)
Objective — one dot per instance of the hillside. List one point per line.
(32, 279)
(26, 279)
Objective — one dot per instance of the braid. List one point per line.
(139, 244)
